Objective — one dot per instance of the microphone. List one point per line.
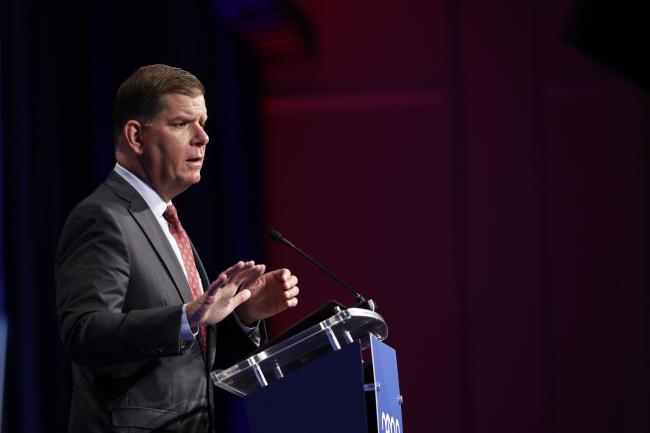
(362, 302)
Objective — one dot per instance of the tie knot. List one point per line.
(171, 216)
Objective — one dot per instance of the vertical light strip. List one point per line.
(3, 320)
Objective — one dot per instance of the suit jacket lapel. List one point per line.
(142, 214)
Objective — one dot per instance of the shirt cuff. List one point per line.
(187, 335)
(252, 332)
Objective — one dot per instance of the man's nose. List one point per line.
(201, 137)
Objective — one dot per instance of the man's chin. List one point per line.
(193, 179)
(184, 183)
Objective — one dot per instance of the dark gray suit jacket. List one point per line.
(120, 291)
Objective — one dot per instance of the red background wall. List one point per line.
(486, 184)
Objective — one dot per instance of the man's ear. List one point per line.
(133, 131)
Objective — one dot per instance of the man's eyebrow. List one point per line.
(186, 116)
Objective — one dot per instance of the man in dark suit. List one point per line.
(138, 316)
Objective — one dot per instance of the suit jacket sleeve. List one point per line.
(93, 277)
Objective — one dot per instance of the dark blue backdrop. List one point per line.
(61, 64)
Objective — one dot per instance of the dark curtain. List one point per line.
(61, 65)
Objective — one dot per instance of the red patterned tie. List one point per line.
(183, 242)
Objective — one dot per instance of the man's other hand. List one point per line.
(270, 294)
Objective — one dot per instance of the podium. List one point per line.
(336, 375)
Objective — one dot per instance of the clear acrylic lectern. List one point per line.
(320, 374)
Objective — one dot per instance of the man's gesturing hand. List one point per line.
(270, 294)
(222, 297)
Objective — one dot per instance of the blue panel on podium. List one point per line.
(388, 397)
(324, 396)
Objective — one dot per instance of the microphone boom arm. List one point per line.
(361, 301)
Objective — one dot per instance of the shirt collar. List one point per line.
(150, 196)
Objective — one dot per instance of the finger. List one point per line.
(291, 293)
(221, 293)
(292, 281)
(292, 302)
(247, 265)
(251, 283)
(233, 271)
(216, 284)
(248, 274)
(233, 268)
(240, 298)
(282, 274)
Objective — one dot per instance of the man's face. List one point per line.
(174, 144)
